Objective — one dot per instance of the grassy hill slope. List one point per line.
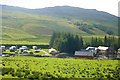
(20, 24)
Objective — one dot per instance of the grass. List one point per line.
(8, 52)
(24, 42)
(20, 27)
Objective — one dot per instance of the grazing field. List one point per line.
(24, 42)
(40, 68)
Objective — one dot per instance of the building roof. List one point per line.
(84, 50)
(91, 48)
(83, 53)
(103, 48)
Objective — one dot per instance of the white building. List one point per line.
(102, 48)
(92, 49)
(119, 50)
(106, 52)
(118, 53)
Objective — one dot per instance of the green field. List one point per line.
(25, 42)
(41, 68)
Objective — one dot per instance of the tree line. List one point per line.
(69, 43)
(66, 42)
(109, 41)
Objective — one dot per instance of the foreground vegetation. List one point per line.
(41, 68)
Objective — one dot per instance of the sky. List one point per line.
(110, 6)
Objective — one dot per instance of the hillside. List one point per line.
(37, 25)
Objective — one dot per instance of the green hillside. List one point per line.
(19, 24)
